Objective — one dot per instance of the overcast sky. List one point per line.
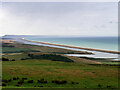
(59, 18)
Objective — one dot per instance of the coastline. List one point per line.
(91, 49)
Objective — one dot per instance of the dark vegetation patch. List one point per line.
(30, 81)
(15, 78)
(42, 81)
(74, 82)
(5, 59)
(13, 60)
(20, 82)
(24, 78)
(52, 57)
(37, 83)
(59, 82)
(99, 85)
(48, 56)
(4, 84)
(17, 85)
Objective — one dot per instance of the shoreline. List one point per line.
(91, 49)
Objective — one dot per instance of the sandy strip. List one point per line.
(91, 49)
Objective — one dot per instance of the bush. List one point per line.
(13, 59)
(52, 57)
(59, 82)
(22, 58)
(4, 84)
(5, 59)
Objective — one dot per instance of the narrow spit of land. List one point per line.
(91, 49)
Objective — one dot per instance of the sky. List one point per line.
(59, 18)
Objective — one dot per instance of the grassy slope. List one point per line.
(19, 56)
(87, 75)
(16, 56)
(12, 49)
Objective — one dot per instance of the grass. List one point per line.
(77, 74)
(86, 75)
(17, 56)
(12, 49)
(16, 50)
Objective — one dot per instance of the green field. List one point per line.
(86, 76)
(18, 47)
(40, 71)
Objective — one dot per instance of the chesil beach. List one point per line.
(103, 43)
(102, 47)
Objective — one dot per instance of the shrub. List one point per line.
(17, 85)
(21, 82)
(42, 81)
(52, 57)
(59, 82)
(30, 81)
(4, 84)
(5, 80)
(5, 59)
(13, 59)
(15, 78)
(24, 78)
(22, 58)
(99, 85)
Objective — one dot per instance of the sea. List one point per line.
(104, 43)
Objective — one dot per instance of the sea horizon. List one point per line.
(105, 43)
(99, 42)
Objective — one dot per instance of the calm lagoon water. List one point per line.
(105, 43)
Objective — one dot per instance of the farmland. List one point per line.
(23, 71)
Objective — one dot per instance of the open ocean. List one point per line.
(105, 43)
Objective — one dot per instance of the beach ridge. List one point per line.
(91, 49)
